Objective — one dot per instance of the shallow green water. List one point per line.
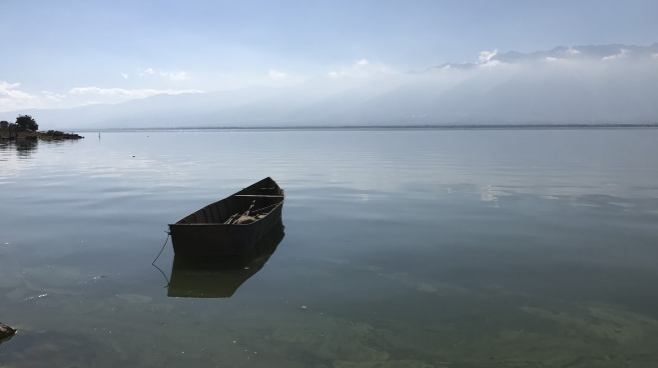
(475, 248)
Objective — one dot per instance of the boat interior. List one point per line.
(245, 206)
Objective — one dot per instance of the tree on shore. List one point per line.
(13, 129)
(4, 125)
(26, 123)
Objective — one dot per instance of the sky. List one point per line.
(60, 54)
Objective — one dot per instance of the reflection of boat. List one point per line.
(221, 276)
(232, 225)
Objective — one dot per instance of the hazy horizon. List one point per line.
(292, 63)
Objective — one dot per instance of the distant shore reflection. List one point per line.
(24, 147)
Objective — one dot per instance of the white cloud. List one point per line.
(124, 75)
(486, 56)
(621, 55)
(360, 68)
(174, 76)
(277, 74)
(52, 96)
(336, 74)
(8, 90)
(11, 98)
(555, 60)
(128, 93)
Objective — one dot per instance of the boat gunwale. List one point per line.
(221, 223)
(236, 194)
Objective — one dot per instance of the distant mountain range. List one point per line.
(611, 84)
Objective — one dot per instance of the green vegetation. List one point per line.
(26, 127)
(26, 123)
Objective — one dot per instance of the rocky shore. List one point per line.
(47, 135)
(6, 332)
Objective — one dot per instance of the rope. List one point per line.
(158, 256)
(163, 247)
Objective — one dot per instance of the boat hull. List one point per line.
(220, 277)
(206, 233)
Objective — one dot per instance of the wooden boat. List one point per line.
(222, 276)
(232, 225)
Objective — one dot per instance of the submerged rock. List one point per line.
(6, 331)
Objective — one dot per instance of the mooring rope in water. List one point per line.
(158, 256)
(163, 247)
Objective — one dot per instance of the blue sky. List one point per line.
(64, 53)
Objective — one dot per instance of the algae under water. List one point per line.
(402, 248)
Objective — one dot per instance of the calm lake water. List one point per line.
(402, 248)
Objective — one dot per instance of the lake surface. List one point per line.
(402, 248)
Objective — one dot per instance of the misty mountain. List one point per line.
(582, 84)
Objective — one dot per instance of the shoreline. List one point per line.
(385, 127)
(47, 135)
